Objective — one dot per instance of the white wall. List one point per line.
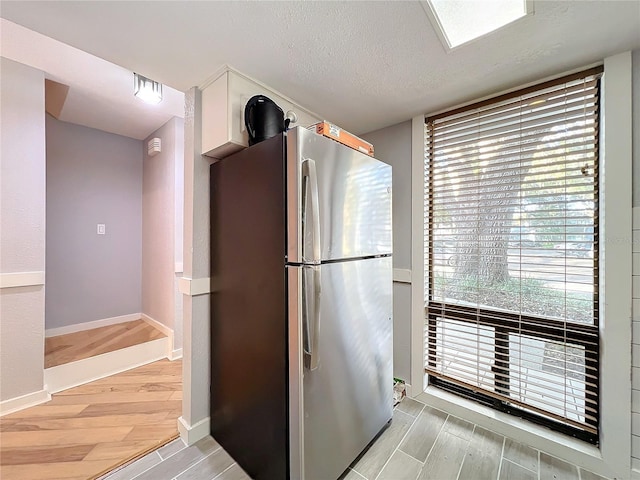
(635, 347)
(635, 377)
(635, 61)
(615, 264)
(195, 285)
(179, 237)
(92, 177)
(392, 145)
(22, 228)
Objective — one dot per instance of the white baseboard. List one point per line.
(80, 327)
(408, 390)
(401, 275)
(194, 286)
(190, 434)
(87, 370)
(176, 354)
(21, 279)
(164, 329)
(19, 403)
(157, 325)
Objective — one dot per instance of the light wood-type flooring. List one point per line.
(421, 443)
(88, 430)
(89, 343)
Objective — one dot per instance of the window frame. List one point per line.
(613, 456)
(504, 323)
(502, 328)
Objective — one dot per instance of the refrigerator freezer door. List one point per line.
(348, 398)
(353, 206)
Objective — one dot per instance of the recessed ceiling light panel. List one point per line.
(146, 89)
(460, 21)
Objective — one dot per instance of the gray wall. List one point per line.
(392, 145)
(22, 227)
(635, 59)
(159, 226)
(92, 177)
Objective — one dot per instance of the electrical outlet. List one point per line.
(101, 229)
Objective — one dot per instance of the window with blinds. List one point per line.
(511, 251)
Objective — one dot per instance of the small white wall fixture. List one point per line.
(154, 146)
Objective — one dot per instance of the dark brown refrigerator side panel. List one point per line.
(249, 411)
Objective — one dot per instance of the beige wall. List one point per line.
(159, 225)
(22, 227)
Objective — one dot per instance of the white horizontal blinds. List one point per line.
(511, 247)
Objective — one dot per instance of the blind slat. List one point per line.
(567, 90)
(525, 144)
(517, 120)
(511, 249)
(583, 120)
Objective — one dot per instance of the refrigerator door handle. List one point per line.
(310, 183)
(312, 318)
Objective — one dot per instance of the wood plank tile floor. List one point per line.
(80, 345)
(425, 443)
(87, 430)
(203, 460)
(421, 443)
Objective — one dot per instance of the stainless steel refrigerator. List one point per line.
(301, 309)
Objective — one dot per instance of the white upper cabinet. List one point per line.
(223, 102)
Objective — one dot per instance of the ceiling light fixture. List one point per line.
(460, 21)
(146, 89)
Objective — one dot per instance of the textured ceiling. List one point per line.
(100, 93)
(362, 65)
